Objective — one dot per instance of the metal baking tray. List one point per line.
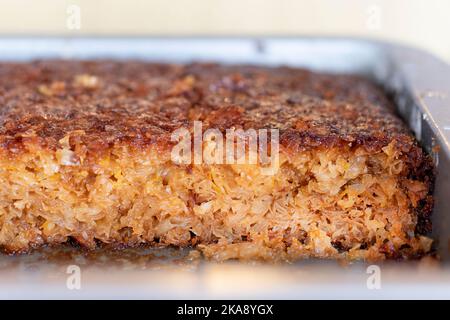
(418, 82)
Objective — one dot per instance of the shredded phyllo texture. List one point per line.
(327, 203)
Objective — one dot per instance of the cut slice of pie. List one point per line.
(86, 154)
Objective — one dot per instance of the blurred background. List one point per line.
(421, 23)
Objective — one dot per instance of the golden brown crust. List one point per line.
(142, 103)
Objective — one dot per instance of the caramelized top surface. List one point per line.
(140, 103)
